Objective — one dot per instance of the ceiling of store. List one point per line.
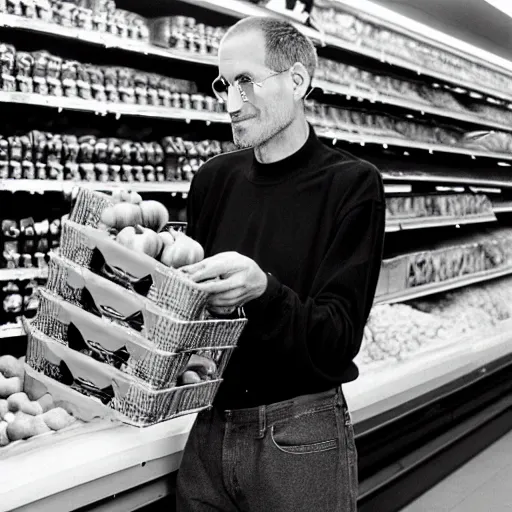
(473, 21)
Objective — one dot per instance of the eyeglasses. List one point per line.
(244, 85)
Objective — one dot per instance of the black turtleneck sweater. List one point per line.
(315, 222)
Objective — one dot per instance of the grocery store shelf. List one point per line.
(361, 138)
(502, 207)
(94, 462)
(380, 389)
(239, 9)
(385, 17)
(432, 288)
(7, 274)
(99, 108)
(11, 331)
(468, 178)
(101, 39)
(434, 222)
(40, 186)
(423, 108)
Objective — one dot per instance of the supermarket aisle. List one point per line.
(481, 485)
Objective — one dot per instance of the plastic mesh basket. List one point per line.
(138, 404)
(157, 368)
(174, 335)
(74, 245)
(179, 295)
(89, 206)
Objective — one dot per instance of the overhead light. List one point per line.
(503, 5)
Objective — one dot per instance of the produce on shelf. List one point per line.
(41, 155)
(186, 34)
(333, 19)
(23, 415)
(397, 331)
(98, 15)
(436, 205)
(361, 80)
(344, 121)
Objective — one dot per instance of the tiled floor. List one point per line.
(484, 484)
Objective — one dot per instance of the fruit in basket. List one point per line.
(154, 215)
(141, 239)
(11, 367)
(189, 377)
(25, 426)
(58, 418)
(183, 251)
(122, 215)
(198, 368)
(21, 402)
(9, 386)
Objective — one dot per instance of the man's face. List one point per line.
(271, 108)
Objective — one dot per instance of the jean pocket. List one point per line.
(311, 432)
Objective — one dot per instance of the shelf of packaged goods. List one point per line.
(451, 284)
(101, 39)
(40, 186)
(384, 17)
(361, 138)
(240, 9)
(435, 222)
(91, 463)
(467, 178)
(156, 112)
(12, 274)
(422, 108)
(11, 331)
(384, 386)
(382, 56)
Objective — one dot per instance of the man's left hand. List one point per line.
(230, 278)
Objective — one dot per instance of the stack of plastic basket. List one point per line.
(115, 329)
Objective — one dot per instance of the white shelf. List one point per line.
(450, 284)
(361, 138)
(8, 274)
(380, 388)
(423, 177)
(51, 465)
(99, 108)
(434, 222)
(40, 186)
(502, 207)
(422, 108)
(11, 331)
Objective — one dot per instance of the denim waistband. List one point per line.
(265, 415)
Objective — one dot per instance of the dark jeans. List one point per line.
(292, 456)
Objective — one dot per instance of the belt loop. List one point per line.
(262, 424)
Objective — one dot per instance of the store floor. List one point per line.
(483, 484)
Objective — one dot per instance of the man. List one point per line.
(293, 229)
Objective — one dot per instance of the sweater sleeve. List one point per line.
(322, 334)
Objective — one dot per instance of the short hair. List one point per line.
(284, 44)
